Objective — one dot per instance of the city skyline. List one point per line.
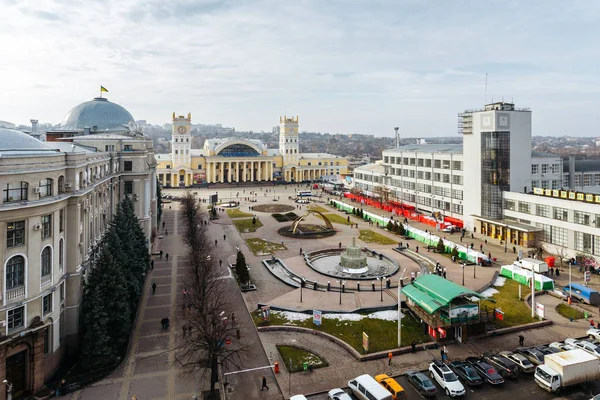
(344, 67)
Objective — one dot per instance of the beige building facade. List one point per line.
(236, 160)
(58, 198)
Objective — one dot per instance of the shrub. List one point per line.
(441, 248)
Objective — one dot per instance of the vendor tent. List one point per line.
(524, 276)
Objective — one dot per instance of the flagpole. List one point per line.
(100, 91)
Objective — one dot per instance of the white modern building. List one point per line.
(58, 198)
(488, 183)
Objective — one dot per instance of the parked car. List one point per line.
(561, 346)
(522, 362)
(535, 356)
(298, 397)
(338, 394)
(485, 370)
(446, 379)
(593, 333)
(392, 386)
(466, 372)
(545, 350)
(422, 383)
(584, 345)
(504, 366)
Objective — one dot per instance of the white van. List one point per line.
(365, 387)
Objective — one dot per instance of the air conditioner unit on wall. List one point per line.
(68, 185)
(36, 190)
(37, 227)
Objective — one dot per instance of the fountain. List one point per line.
(353, 260)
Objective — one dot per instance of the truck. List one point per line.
(537, 266)
(567, 368)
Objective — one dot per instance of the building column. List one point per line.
(244, 171)
(259, 171)
(251, 171)
(236, 170)
(222, 171)
(214, 172)
(269, 172)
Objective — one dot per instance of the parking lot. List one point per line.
(523, 388)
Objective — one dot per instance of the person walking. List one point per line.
(166, 232)
(445, 353)
(442, 353)
(521, 340)
(300, 251)
(232, 319)
(161, 254)
(220, 263)
(264, 384)
(153, 287)
(163, 224)
(390, 356)
(215, 242)
(413, 346)
(167, 256)
(224, 237)
(151, 265)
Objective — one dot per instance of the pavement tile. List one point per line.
(148, 388)
(161, 272)
(148, 344)
(158, 301)
(159, 312)
(152, 328)
(102, 392)
(156, 363)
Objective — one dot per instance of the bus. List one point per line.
(304, 193)
(582, 293)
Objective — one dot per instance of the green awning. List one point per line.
(422, 299)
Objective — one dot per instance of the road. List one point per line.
(523, 388)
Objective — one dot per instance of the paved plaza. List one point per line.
(149, 371)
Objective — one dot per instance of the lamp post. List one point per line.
(399, 314)
(463, 273)
(381, 286)
(341, 283)
(301, 286)
(9, 389)
(570, 287)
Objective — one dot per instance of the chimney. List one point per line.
(397, 137)
(572, 172)
(34, 123)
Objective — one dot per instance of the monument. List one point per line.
(353, 260)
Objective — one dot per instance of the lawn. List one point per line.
(515, 311)
(246, 225)
(383, 334)
(318, 208)
(236, 213)
(336, 219)
(368, 236)
(262, 247)
(568, 311)
(298, 357)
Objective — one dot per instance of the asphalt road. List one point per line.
(523, 388)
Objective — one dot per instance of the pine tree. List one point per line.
(241, 269)
(390, 226)
(441, 248)
(401, 230)
(454, 252)
(159, 202)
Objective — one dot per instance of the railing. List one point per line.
(15, 293)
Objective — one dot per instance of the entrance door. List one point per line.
(16, 372)
(458, 334)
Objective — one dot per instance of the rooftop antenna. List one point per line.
(486, 88)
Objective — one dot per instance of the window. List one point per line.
(15, 272)
(45, 187)
(583, 242)
(176, 151)
(47, 344)
(128, 147)
(535, 184)
(509, 205)
(556, 168)
(457, 165)
(62, 291)
(199, 166)
(128, 187)
(524, 207)
(587, 180)
(61, 184)
(61, 253)
(420, 162)
(544, 184)
(46, 226)
(437, 163)
(15, 191)
(535, 169)
(168, 166)
(61, 220)
(582, 218)
(457, 179)
(556, 184)
(559, 236)
(561, 214)
(16, 318)
(46, 261)
(542, 210)
(15, 233)
(109, 148)
(544, 168)
(128, 165)
(176, 140)
(47, 304)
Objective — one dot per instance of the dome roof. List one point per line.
(17, 142)
(99, 113)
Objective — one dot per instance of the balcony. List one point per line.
(15, 294)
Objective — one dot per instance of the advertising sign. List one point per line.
(366, 342)
(540, 310)
(266, 313)
(317, 317)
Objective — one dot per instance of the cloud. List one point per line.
(346, 66)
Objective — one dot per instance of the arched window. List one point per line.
(61, 184)
(15, 272)
(46, 262)
(61, 253)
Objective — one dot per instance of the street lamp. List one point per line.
(9, 389)
(341, 284)
(301, 286)
(399, 314)
(463, 273)
(380, 279)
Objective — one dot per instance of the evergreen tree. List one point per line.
(401, 230)
(159, 202)
(390, 226)
(454, 252)
(441, 248)
(241, 269)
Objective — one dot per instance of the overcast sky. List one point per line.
(343, 66)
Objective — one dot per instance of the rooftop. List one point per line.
(13, 142)
(431, 292)
(99, 113)
(427, 148)
(582, 165)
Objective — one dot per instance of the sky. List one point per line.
(342, 66)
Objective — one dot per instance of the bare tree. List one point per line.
(207, 308)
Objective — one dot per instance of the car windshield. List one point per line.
(526, 363)
(471, 373)
(450, 377)
(543, 374)
(426, 382)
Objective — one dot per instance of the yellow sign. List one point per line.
(538, 191)
(555, 193)
(568, 195)
(366, 342)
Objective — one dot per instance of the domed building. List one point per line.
(58, 198)
(236, 160)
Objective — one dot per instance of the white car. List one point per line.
(298, 397)
(561, 346)
(589, 347)
(593, 333)
(338, 394)
(446, 379)
(523, 362)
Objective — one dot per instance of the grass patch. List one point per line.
(259, 246)
(298, 356)
(236, 213)
(383, 335)
(246, 225)
(569, 312)
(515, 311)
(368, 236)
(318, 208)
(285, 217)
(335, 218)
